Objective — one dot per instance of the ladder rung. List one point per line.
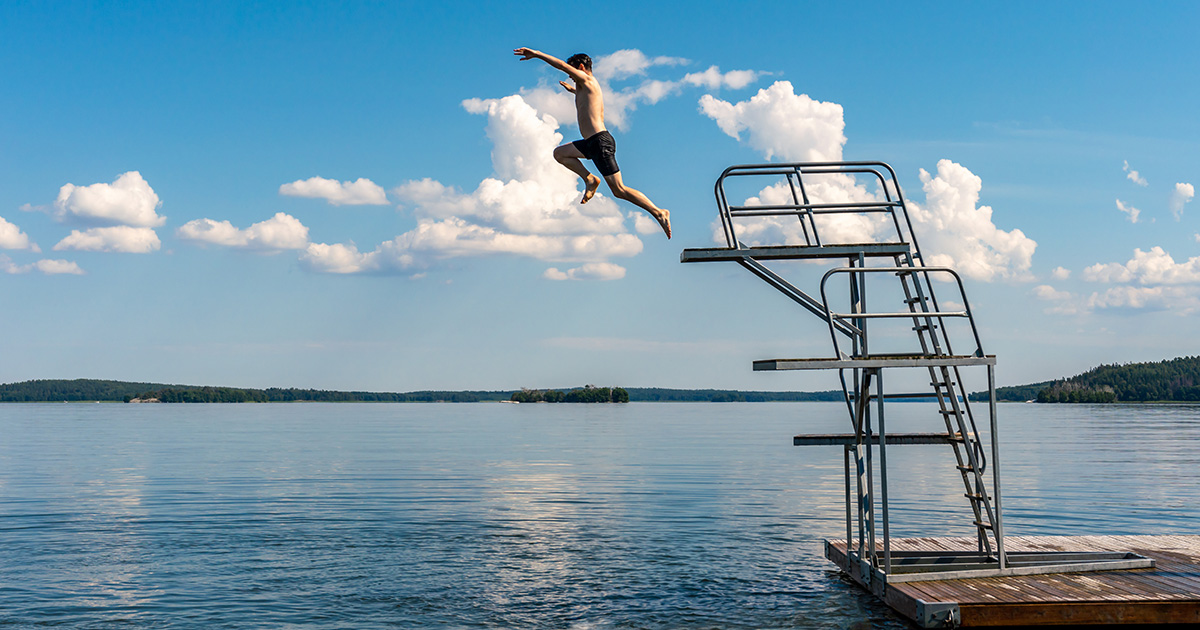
(955, 437)
(977, 497)
(946, 384)
(923, 328)
(984, 525)
(949, 412)
(914, 300)
(965, 468)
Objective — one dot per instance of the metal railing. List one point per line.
(856, 320)
(803, 207)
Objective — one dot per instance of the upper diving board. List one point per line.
(793, 252)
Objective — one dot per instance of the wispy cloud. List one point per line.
(1180, 196)
(360, 192)
(1133, 176)
(633, 345)
(530, 208)
(590, 271)
(120, 238)
(1130, 212)
(955, 229)
(46, 266)
(280, 232)
(11, 237)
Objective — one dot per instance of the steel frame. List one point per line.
(861, 374)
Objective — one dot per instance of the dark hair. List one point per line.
(580, 58)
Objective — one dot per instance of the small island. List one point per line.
(586, 394)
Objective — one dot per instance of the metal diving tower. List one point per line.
(798, 214)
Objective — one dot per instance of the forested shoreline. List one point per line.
(1172, 380)
(95, 390)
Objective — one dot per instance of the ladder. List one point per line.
(892, 251)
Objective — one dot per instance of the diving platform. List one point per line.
(936, 582)
(1036, 591)
(850, 363)
(793, 252)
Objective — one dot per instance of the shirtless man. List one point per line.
(598, 145)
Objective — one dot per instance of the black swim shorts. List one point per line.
(601, 149)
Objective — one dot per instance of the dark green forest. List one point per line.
(93, 390)
(1176, 380)
(586, 394)
(1173, 380)
(1170, 380)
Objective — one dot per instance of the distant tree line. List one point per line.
(235, 395)
(1015, 393)
(586, 394)
(1173, 380)
(658, 394)
(76, 390)
(81, 390)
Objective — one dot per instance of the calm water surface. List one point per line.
(516, 516)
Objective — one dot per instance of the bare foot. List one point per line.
(665, 222)
(592, 184)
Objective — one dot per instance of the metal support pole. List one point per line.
(999, 531)
(887, 540)
(849, 518)
(870, 497)
(860, 473)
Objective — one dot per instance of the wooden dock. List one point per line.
(1169, 593)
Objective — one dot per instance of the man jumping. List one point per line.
(598, 145)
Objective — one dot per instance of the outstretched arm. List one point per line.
(528, 53)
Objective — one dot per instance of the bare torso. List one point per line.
(589, 106)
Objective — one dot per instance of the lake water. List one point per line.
(651, 515)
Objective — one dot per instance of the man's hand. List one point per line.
(526, 53)
(567, 86)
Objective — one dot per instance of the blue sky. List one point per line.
(162, 221)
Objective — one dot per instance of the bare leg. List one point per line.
(635, 196)
(569, 156)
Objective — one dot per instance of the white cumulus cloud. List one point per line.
(1063, 302)
(960, 233)
(590, 271)
(781, 123)
(1150, 280)
(953, 228)
(530, 208)
(11, 237)
(1130, 211)
(46, 266)
(129, 200)
(1183, 194)
(629, 62)
(278, 233)
(714, 79)
(1153, 267)
(51, 267)
(1061, 273)
(360, 192)
(121, 238)
(1134, 177)
(619, 102)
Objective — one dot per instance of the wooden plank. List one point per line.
(1169, 593)
(1096, 613)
